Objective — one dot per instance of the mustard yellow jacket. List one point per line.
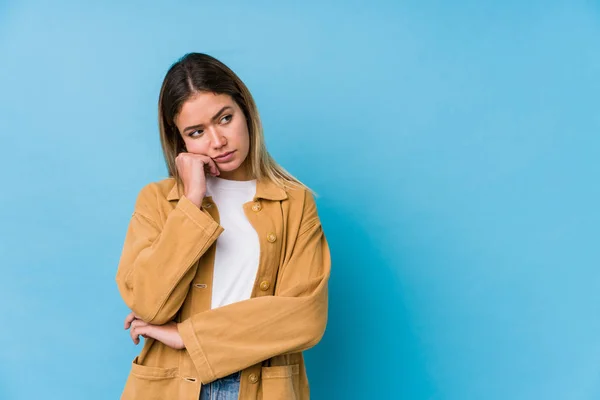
(165, 274)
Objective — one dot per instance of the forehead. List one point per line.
(200, 108)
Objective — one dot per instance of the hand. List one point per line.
(192, 169)
(167, 333)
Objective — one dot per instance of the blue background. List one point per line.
(454, 146)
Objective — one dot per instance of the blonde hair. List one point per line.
(198, 72)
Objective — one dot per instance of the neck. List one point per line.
(242, 173)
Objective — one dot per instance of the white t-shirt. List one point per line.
(238, 248)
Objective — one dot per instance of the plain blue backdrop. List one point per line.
(454, 146)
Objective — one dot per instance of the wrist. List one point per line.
(195, 197)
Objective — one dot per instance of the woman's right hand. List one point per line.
(192, 169)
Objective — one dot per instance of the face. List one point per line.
(214, 125)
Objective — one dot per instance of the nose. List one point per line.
(217, 139)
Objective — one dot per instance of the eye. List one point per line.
(193, 134)
(226, 118)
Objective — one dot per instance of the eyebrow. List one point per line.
(214, 118)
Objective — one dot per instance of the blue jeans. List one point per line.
(226, 388)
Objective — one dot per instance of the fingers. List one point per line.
(138, 327)
(214, 170)
(130, 317)
(188, 158)
(209, 164)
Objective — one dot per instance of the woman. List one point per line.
(225, 265)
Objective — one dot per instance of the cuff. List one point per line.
(202, 218)
(192, 345)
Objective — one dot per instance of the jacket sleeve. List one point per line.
(158, 261)
(230, 338)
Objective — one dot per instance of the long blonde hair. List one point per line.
(198, 72)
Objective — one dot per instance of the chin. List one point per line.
(229, 167)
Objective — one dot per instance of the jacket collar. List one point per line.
(265, 189)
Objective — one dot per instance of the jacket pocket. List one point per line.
(281, 382)
(150, 383)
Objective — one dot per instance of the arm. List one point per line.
(158, 263)
(231, 338)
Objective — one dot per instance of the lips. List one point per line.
(224, 156)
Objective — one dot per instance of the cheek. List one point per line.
(196, 146)
(246, 141)
(241, 135)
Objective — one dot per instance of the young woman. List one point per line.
(225, 265)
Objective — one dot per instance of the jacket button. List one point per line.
(253, 378)
(256, 207)
(264, 286)
(271, 237)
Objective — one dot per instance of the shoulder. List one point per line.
(160, 188)
(302, 203)
(301, 196)
(154, 193)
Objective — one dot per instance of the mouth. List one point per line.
(224, 157)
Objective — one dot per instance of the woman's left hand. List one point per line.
(167, 333)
